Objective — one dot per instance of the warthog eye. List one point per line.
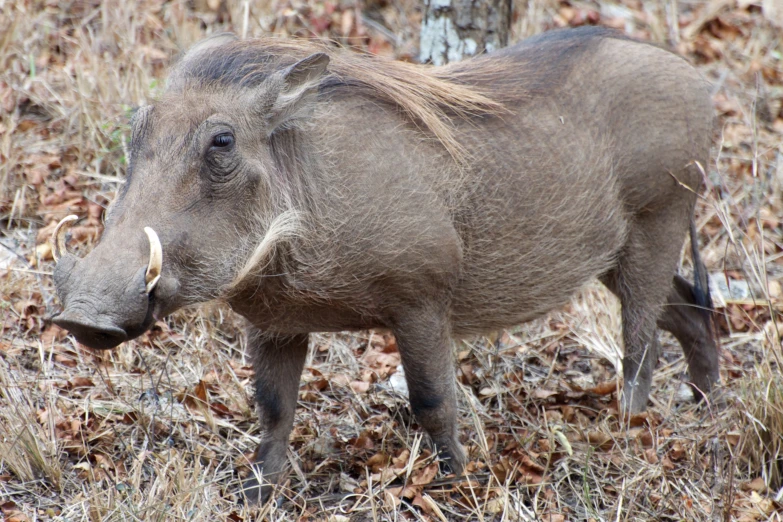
(223, 141)
(220, 157)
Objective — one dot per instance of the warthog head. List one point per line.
(197, 206)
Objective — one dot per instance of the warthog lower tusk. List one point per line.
(58, 237)
(156, 260)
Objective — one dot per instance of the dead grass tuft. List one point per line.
(29, 449)
(760, 421)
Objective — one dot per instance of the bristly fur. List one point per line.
(427, 96)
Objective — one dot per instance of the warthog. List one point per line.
(316, 189)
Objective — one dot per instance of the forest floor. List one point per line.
(162, 427)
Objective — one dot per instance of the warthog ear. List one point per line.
(298, 88)
(192, 55)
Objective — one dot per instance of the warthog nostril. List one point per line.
(99, 336)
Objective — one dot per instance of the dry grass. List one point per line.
(161, 428)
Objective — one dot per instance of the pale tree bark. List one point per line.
(455, 29)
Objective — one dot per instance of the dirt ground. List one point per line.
(162, 427)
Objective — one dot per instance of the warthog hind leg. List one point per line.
(650, 298)
(425, 346)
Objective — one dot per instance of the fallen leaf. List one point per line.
(677, 452)
(757, 484)
(425, 475)
(605, 388)
(650, 456)
(543, 393)
(600, 439)
(80, 382)
(360, 386)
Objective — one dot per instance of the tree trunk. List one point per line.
(454, 29)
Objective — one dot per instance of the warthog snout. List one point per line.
(89, 332)
(107, 298)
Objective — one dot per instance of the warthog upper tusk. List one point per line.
(58, 237)
(156, 260)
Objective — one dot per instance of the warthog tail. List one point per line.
(701, 283)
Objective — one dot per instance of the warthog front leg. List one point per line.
(425, 346)
(278, 362)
